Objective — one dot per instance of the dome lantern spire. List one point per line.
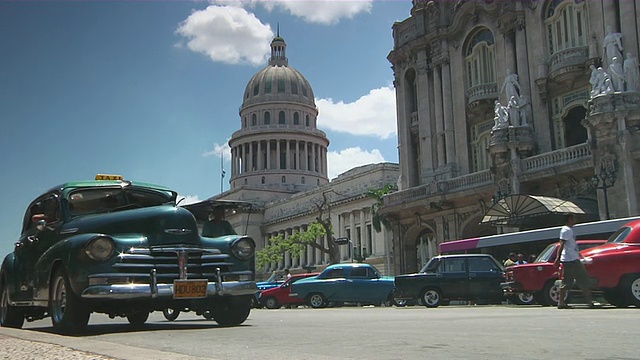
(278, 51)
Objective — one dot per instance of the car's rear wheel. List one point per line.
(68, 313)
(431, 297)
(317, 301)
(170, 314)
(232, 311)
(631, 289)
(10, 316)
(139, 318)
(271, 303)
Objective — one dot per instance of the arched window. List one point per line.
(262, 180)
(283, 180)
(281, 118)
(294, 86)
(302, 180)
(256, 89)
(306, 120)
(480, 137)
(566, 25)
(254, 120)
(304, 90)
(480, 59)
(245, 181)
(281, 85)
(244, 121)
(567, 111)
(296, 118)
(267, 85)
(267, 118)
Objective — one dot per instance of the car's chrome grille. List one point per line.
(199, 263)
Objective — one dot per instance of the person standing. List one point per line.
(217, 225)
(573, 268)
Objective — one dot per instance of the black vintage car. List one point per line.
(125, 249)
(473, 277)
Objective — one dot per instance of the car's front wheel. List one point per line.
(524, 299)
(170, 314)
(631, 289)
(232, 311)
(317, 301)
(68, 313)
(10, 316)
(551, 293)
(431, 297)
(271, 303)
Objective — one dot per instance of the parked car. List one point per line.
(277, 297)
(349, 282)
(614, 267)
(472, 277)
(535, 282)
(121, 248)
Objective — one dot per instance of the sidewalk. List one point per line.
(15, 348)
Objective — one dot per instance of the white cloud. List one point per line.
(219, 149)
(341, 161)
(320, 12)
(188, 199)
(373, 114)
(227, 34)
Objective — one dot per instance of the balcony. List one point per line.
(566, 156)
(567, 61)
(480, 93)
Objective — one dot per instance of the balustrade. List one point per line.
(559, 157)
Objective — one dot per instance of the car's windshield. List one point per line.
(431, 265)
(545, 255)
(98, 200)
(620, 235)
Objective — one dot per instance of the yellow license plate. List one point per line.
(189, 289)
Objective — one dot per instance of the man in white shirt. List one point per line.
(573, 268)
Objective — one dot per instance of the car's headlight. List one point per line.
(100, 248)
(243, 249)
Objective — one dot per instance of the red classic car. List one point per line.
(535, 282)
(276, 297)
(615, 266)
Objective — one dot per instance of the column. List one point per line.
(313, 157)
(288, 155)
(610, 16)
(233, 161)
(363, 232)
(287, 256)
(424, 121)
(354, 236)
(278, 154)
(509, 54)
(260, 157)
(437, 92)
(628, 27)
(268, 150)
(523, 61)
(251, 164)
(447, 107)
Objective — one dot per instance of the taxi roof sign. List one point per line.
(108, 177)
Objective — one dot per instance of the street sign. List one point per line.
(341, 240)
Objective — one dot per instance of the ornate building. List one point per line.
(498, 98)
(279, 163)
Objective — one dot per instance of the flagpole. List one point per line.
(221, 169)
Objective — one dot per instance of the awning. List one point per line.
(517, 207)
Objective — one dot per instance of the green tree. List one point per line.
(297, 242)
(377, 219)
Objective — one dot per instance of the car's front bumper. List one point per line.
(156, 291)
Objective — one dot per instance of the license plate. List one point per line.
(189, 289)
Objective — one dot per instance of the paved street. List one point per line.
(453, 332)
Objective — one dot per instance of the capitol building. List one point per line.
(495, 100)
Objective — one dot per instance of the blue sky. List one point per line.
(152, 89)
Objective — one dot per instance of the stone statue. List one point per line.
(616, 73)
(524, 108)
(631, 73)
(511, 86)
(593, 80)
(603, 83)
(501, 117)
(612, 45)
(514, 112)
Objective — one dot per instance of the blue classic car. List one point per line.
(359, 283)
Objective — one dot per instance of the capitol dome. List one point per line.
(278, 81)
(278, 145)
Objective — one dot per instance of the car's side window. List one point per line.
(359, 272)
(451, 265)
(480, 264)
(49, 207)
(334, 273)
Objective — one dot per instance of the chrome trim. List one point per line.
(181, 231)
(145, 291)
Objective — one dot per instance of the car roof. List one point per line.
(105, 183)
(462, 255)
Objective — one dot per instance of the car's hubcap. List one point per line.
(554, 293)
(59, 300)
(316, 300)
(525, 297)
(271, 303)
(635, 289)
(430, 297)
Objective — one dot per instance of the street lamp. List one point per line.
(603, 180)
